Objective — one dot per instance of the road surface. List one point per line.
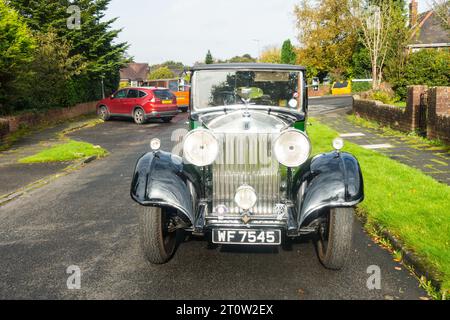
(87, 219)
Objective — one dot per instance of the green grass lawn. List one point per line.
(412, 206)
(70, 150)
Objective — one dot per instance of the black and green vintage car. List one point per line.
(246, 175)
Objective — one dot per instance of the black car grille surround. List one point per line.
(246, 159)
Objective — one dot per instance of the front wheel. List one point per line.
(158, 237)
(104, 113)
(335, 238)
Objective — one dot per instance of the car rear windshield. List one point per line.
(163, 94)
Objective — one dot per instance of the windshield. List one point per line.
(217, 88)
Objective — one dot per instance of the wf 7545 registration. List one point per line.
(239, 236)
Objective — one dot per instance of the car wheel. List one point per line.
(139, 116)
(166, 120)
(335, 238)
(158, 241)
(104, 113)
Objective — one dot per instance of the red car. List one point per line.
(140, 103)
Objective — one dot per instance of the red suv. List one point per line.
(140, 103)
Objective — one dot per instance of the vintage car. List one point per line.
(246, 175)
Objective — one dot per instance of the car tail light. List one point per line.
(156, 100)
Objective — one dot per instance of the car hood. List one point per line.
(251, 120)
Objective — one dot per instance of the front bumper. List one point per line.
(287, 223)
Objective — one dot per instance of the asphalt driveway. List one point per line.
(87, 219)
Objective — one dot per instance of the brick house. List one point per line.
(134, 74)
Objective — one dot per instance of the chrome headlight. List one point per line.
(292, 148)
(200, 147)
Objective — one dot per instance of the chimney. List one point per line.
(413, 13)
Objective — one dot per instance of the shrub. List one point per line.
(425, 67)
(382, 96)
(361, 86)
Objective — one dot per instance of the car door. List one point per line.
(131, 101)
(115, 106)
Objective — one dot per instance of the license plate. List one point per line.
(247, 237)
(167, 102)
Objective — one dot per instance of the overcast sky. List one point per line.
(184, 30)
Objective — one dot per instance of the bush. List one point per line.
(382, 96)
(425, 67)
(385, 95)
(361, 86)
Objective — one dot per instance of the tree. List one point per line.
(361, 64)
(48, 81)
(441, 9)
(246, 58)
(376, 20)
(209, 58)
(270, 54)
(94, 40)
(326, 35)
(16, 48)
(288, 55)
(161, 73)
(170, 64)
(41, 15)
(399, 37)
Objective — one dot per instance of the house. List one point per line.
(134, 74)
(428, 29)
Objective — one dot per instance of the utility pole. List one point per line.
(103, 87)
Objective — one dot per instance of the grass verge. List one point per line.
(68, 151)
(25, 130)
(412, 206)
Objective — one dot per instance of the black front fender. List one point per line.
(327, 180)
(162, 180)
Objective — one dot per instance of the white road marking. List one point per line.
(354, 134)
(377, 146)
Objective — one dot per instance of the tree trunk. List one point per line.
(374, 76)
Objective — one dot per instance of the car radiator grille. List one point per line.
(246, 159)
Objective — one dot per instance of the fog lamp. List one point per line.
(155, 144)
(245, 197)
(338, 143)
